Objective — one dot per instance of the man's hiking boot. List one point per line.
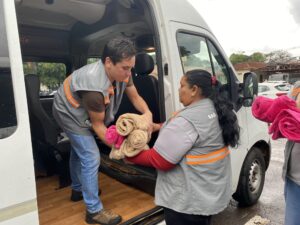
(103, 217)
(76, 196)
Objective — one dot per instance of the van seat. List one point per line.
(51, 152)
(146, 85)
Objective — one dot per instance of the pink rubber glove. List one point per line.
(112, 137)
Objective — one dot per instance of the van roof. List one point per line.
(65, 14)
(182, 11)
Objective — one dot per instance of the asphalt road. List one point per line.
(271, 203)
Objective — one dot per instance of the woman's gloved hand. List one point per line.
(112, 137)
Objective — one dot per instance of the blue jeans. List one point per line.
(292, 201)
(84, 167)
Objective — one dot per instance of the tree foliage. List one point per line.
(257, 57)
(238, 58)
(51, 74)
(280, 56)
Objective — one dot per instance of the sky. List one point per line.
(250, 26)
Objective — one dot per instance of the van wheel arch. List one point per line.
(252, 178)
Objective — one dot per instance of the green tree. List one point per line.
(238, 58)
(257, 57)
(51, 74)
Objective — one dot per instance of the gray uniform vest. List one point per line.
(203, 189)
(91, 77)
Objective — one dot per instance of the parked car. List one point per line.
(273, 89)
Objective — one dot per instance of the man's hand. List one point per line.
(156, 127)
(148, 119)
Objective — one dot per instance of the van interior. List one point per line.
(58, 37)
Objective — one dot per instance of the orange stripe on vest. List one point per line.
(68, 93)
(205, 159)
(74, 102)
(295, 92)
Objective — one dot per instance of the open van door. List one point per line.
(18, 196)
(191, 45)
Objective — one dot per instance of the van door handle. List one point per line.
(166, 69)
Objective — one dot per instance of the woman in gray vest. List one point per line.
(291, 172)
(191, 154)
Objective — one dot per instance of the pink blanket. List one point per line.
(267, 109)
(112, 137)
(286, 125)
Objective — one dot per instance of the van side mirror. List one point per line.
(250, 88)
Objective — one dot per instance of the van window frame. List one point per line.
(207, 38)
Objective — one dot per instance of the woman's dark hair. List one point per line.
(227, 118)
(118, 49)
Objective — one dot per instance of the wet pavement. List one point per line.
(271, 203)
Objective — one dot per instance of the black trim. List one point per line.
(150, 217)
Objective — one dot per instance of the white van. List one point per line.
(42, 41)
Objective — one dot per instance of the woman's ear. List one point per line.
(196, 91)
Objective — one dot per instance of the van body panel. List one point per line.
(17, 174)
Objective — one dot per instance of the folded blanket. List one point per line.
(112, 137)
(267, 109)
(138, 139)
(286, 125)
(116, 154)
(128, 122)
(260, 106)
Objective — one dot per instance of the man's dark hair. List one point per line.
(118, 49)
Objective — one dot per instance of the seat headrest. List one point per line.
(144, 64)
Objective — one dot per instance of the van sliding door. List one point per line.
(18, 195)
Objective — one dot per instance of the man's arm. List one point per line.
(97, 120)
(138, 102)
(93, 102)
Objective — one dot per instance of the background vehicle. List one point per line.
(273, 89)
(46, 41)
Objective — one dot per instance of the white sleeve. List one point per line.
(176, 139)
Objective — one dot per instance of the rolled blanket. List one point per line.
(279, 104)
(128, 122)
(287, 125)
(138, 139)
(267, 109)
(129, 151)
(116, 154)
(260, 107)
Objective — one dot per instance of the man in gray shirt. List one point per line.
(89, 99)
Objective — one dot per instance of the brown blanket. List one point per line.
(128, 122)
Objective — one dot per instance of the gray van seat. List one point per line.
(146, 85)
(50, 151)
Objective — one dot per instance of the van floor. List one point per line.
(55, 207)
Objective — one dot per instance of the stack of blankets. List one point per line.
(129, 136)
(283, 115)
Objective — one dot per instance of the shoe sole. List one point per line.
(92, 221)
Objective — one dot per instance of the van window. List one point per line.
(220, 68)
(51, 75)
(8, 119)
(92, 60)
(200, 55)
